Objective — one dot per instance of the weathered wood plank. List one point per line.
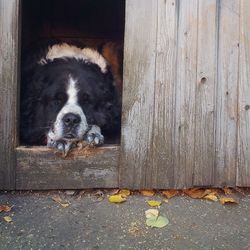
(227, 93)
(40, 168)
(243, 171)
(138, 92)
(9, 36)
(184, 125)
(205, 93)
(161, 172)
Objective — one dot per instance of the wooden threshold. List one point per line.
(40, 168)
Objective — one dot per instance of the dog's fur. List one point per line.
(63, 79)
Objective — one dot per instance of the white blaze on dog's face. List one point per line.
(71, 122)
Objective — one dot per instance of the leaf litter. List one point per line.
(58, 200)
(5, 208)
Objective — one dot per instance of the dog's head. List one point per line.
(65, 95)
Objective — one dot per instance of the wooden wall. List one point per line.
(186, 103)
(186, 98)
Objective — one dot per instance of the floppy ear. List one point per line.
(113, 53)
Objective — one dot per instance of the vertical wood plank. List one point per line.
(9, 21)
(160, 173)
(243, 171)
(185, 85)
(227, 93)
(205, 93)
(138, 92)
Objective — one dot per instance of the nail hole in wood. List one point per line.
(247, 107)
(203, 80)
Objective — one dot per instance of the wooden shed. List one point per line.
(186, 98)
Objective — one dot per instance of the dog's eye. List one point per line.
(57, 102)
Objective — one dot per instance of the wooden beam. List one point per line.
(243, 171)
(40, 168)
(9, 53)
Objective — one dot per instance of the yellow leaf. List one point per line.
(124, 193)
(153, 203)
(4, 208)
(225, 200)
(148, 192)
(211, 197)
(64, 205)
(170, 193)
(7, 219)
(117, 198)
(151, 212)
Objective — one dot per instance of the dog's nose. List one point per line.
(71, 119)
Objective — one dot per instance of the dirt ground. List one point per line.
(90, 221)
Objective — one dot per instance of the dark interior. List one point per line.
(83, 22)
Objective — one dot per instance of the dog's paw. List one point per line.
(61, 146)
(94, 136)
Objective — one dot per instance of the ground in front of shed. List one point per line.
(89, 221)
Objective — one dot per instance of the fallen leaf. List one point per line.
(153, 203)
(7, 219)
(211, 197)
(227, 190)
(124, 193)
(4, 208)
(151, 212)
(170, 193)
(197, 193)
(134, 230)
(225, 200)
(64, 205)
(157, 221)
(57, 199)
(148, 192)
(117, 198)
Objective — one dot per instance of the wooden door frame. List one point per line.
(37, 168)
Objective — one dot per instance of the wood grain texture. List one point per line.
(40, 168)
(243, 171)
(9, 36)
(205, 94)
(160, 173)
(138, 92)
(227, 93)
(185, 102)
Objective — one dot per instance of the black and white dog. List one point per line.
(67, 95)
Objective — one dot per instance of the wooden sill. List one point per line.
(40, 168)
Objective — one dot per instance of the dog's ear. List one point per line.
(113, 53)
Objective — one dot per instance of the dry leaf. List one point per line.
(197, 193)
(7, 219)
(124, 193)
(170, 193)
(154, 203)
(117, 198)
(57, 199)
(4, 208)
(227, 190)
(157, 221)
(225, 200)
(211, 197)
(148, 192)
(151, 212)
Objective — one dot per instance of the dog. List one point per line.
(68, 94)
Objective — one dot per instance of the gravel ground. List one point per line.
(92, 222)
